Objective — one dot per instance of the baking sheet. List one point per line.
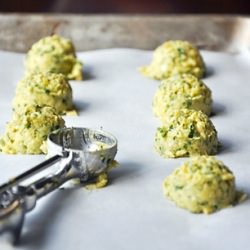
(132, 213)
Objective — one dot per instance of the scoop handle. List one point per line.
(16, 200)
(31, 172)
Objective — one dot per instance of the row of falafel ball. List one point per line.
(42, 96)
(183, 104)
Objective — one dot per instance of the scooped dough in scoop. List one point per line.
(49, 89)
(201, 185)
(54, 54)
(186, 132)
(28, 130)
(175, 57)
(181, 91)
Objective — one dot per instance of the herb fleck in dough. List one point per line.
(175, 57)
(201, 185)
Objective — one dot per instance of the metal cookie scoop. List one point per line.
(79, 153)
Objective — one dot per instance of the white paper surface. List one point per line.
(132, 213)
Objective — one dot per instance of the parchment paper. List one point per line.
(132, 213)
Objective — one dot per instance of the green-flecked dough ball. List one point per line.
(186, 132)
(201, 185)
(28, 130)
(49, 89)
(181, 91)
(175, 57)
(54, 54)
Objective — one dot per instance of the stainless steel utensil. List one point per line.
(77, 153)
